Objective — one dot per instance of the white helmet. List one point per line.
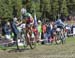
(39, 21)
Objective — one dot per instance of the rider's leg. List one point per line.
(16, 39)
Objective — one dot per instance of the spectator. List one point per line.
(16, 33)
(39, 29)
(48, 32)
(44, 30)
(3, 25)
(7, 30)
(14, 30)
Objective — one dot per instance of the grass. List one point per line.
(66, 50)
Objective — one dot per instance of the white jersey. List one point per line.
(23, 25)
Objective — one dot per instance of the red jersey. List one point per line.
(44, 28)
(35, 31)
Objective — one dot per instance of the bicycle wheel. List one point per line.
(33, 43)
(63, 39)
(58, 40)
(24, 40)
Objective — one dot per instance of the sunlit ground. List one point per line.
(66, 50)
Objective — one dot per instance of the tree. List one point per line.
(55, 8)
(32, 6)
(64, 9)
(45, 7)
(35, 8)
(71, 4)
(27, 5)
(16, 7)
(6, 8)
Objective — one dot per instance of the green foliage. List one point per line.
(46, 5)
(35, 8)
(71, 6)
(19, 6)
(64, 8)
(55, 8)
(6, 7)
(43, 8)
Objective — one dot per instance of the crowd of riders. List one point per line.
(44, 33)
